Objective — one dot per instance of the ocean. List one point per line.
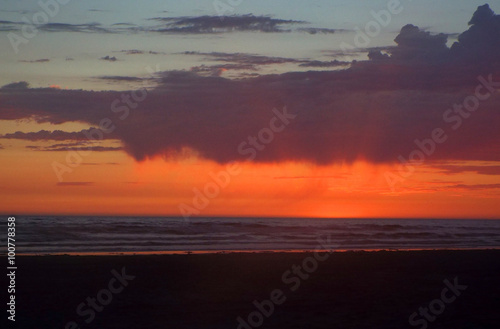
(55, 235)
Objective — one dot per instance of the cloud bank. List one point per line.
(373, 111)
(184, 25)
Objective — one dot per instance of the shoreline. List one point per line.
(243, 251)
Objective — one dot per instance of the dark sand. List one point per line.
(348, 290)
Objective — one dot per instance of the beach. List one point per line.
(381, 289)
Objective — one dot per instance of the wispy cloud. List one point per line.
(121, 78)
(56, 135)
(314, 30)
(82, 28)
(243, 58)
(218, 24)
(334, 63)
(75, 184)
(141, 52)
(42, 60)
(82, 149)
(309, 177)
(9, 26)
(18, 11)
(217, 70)
(460, 168)
(185, 25)
(475, 187)
(251, 61)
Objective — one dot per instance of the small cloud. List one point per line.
(109, 58)
(133, 52)
(141, 52)
(16, 85)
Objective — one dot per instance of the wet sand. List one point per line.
(340, 290)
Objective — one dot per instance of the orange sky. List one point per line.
(114, 183)
(348, 113)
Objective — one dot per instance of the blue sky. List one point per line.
(72, 59)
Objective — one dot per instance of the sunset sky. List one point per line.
(266, 108)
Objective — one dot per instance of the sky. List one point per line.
(250, 108)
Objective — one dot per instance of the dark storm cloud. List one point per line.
(482, 41)
(478, 46)
(374, 110)
(417, 45)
